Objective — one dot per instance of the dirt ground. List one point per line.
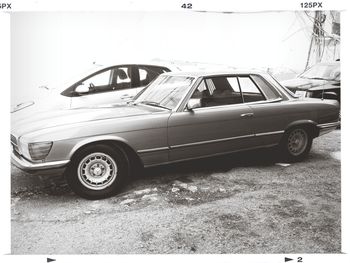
(239, 203)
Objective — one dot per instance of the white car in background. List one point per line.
(102, 85)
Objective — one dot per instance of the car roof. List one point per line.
(172, 65)
(198, 74)
(109, 65)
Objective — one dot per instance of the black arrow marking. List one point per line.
(287, 259)
(50, 260)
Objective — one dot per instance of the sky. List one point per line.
(48, 48)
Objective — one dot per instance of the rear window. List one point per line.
(270, 92)
(149, 73)
(249, 90)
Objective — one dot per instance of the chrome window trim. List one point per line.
(287, 93)
(263, 101)
(236, 105)
(255, 84)
(270, 86)
(182, 105)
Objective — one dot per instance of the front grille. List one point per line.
(14, 144)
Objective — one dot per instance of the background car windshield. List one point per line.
(323, 71)
(166, 91)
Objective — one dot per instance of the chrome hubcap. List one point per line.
(97, 171)
(297, 142)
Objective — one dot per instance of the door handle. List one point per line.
(246, 115)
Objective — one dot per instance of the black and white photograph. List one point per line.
(185, 131)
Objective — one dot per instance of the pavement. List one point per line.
(248, 202)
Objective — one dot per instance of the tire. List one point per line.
(97, 171)
(296, 144)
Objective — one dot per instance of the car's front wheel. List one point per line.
(97, 171)
(296, 144)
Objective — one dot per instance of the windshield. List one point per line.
(165, 91)
(323, 71)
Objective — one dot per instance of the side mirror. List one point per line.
(193, 104)
(330, 96)
(82, 89)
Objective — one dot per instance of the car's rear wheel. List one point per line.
(296, 144)
(97, 171)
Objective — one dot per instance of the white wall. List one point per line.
(48, 48)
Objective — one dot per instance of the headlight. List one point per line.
(39, 150)
(23, 148)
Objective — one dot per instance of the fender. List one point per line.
(97, 139)
(309, 123)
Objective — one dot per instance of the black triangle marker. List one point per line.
(50, 259)
(287, 259)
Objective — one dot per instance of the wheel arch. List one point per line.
(130, 152)
(309, 124)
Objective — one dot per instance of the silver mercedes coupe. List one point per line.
(179, 116)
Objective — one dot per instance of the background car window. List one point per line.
(266, 88)
(218, 91)
(122, 78)
(149, 73)
(101, 79)
(249, 90)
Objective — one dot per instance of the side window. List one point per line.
(143, 76)
(148, 73)
(99, 82)
(121, 78)
(218, 91)
(249, 90)
(270, 92)
(234, 84)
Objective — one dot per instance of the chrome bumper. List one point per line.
(327, 127)
(28, 166)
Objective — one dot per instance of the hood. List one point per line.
(305, 84)
(43, 100)
(50, 119)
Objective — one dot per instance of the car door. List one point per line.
(271, 112)
(109, 86)
(222, 124)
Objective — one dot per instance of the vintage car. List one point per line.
(179, 116)
(320, 81)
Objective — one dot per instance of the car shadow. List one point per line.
(217, 164)
(164, 174)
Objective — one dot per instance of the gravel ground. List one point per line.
(239, 203)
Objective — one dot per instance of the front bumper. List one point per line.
(28, 166)
(327, 127)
